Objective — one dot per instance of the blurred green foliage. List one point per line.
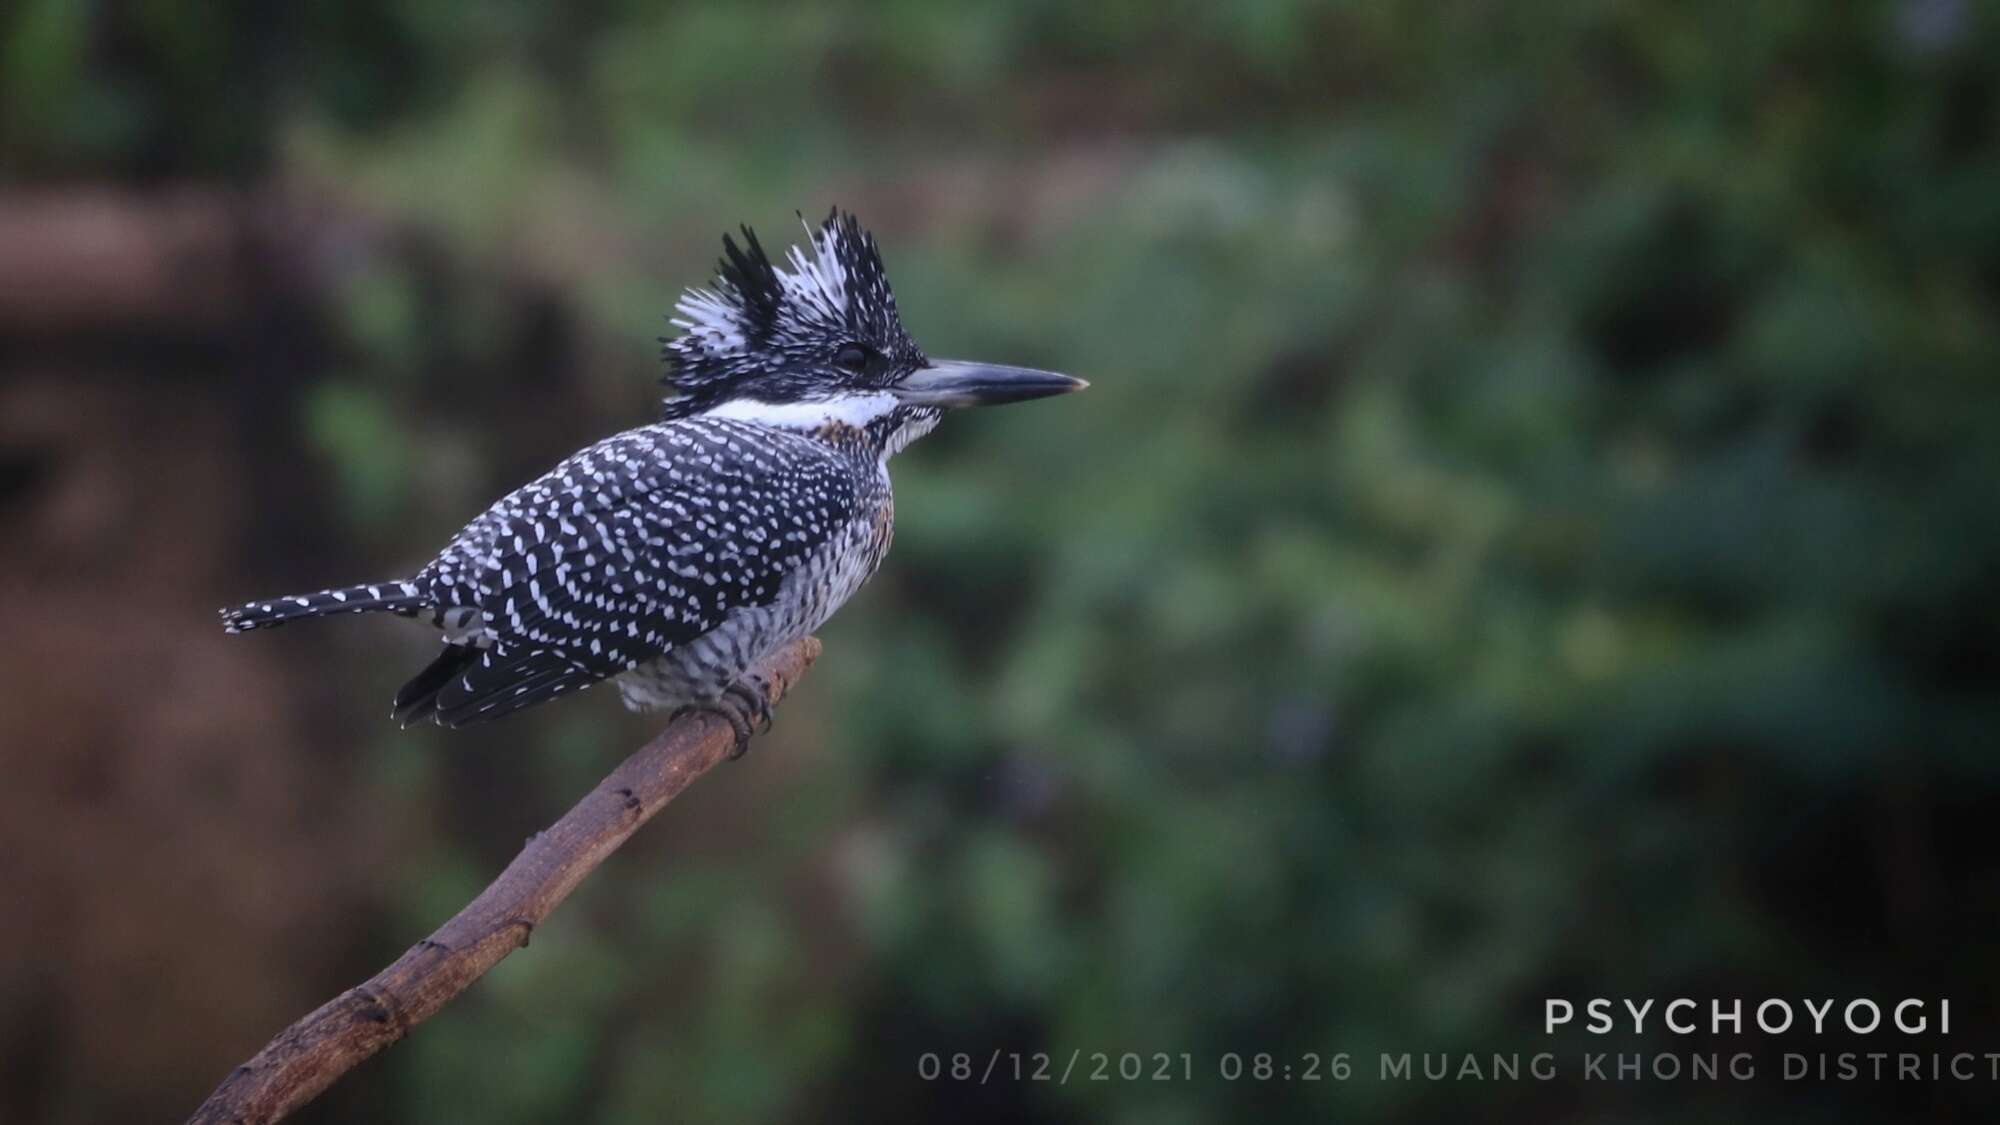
(1532, 531)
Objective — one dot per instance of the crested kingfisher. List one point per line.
(670, 558)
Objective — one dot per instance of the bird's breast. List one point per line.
(700, 669)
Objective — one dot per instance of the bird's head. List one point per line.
(817, 341)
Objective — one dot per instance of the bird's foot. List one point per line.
(746, 704)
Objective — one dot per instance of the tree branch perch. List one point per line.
(313, 1053)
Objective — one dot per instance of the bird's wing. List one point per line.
(645, 541)
(503, 679)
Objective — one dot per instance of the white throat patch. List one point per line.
(857, 409)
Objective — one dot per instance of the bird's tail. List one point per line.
(405, 598)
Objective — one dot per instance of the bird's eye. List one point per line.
(852, 357)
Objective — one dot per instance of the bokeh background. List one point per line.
(1532, 533)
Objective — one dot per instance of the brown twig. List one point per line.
(310, 1055)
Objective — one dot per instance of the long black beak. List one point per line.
(953, 382)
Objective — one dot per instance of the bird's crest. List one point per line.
(760, 321)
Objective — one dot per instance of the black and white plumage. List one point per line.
(670, 558)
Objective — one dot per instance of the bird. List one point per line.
(668, 559)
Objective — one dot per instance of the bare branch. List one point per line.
(310, 1055)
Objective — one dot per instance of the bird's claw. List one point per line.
(747, 706)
